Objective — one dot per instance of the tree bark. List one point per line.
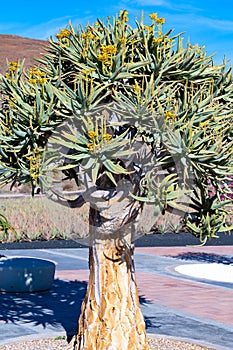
(111, 317)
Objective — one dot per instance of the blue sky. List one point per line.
(207, 22)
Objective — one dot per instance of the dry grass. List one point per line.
(39, 218)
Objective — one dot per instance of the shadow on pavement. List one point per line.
(58, 307)
(205, 257)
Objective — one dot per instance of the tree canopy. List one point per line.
(111, 101)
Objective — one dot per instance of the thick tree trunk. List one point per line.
(111, 317)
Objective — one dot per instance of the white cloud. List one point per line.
(45, 30)
(171, 5)
(198, 23)
(223, 25)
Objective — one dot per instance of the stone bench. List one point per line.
(25, 274)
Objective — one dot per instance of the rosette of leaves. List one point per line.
(173, 99)
(27, 120)
(93, 148)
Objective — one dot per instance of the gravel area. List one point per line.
(60, 344)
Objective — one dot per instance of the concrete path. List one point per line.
(173, 305)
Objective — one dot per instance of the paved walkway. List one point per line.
(173, 305)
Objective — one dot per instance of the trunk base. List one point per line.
(111, 317)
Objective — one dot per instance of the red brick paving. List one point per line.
(196, 298)
(72, 275)
(173, 251)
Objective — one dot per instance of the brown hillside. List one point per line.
(14, 48)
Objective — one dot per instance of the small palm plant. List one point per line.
(5, 227)
(144, 124)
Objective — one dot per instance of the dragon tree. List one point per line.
(143, 124)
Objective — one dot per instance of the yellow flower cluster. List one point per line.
(155, 18)
(160, 20)
(13, 66)
(93, 138)
(107, 137)
(92, 134)
(35, 75)
(169, 115)
(90, 146)
(123, 41)
(157, 40)
(34, 166)
(123, 16)
(109, 49)
(95, 142)
(89, 35)
(204, 124)
(150, 29)
(136, 88)
(107, 53)
(87, 74)
(64, 34)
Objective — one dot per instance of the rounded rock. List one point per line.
(26, 274)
